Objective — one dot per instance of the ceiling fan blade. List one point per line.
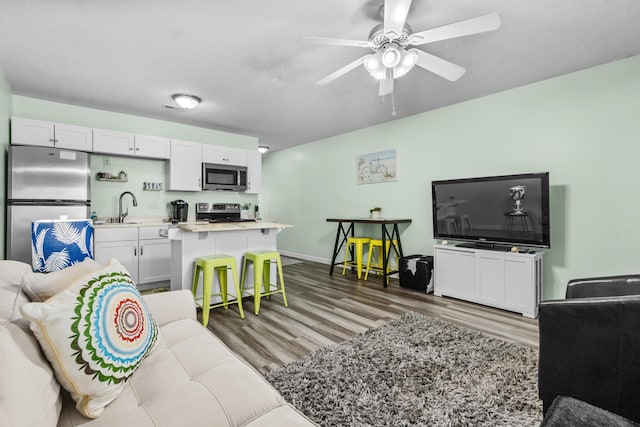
(439, 66)
(344, 70)
(336, 42)
(386, 85)
(395, 15)
(467, 27)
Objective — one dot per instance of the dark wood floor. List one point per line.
(325, 310)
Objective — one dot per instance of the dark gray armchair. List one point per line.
(590, 345)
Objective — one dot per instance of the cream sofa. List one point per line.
(190, 378)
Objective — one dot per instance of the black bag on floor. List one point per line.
(416, 272)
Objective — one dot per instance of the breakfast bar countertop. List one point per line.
(198, 227)
(194, 226)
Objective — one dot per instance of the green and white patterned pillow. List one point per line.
(95, 333)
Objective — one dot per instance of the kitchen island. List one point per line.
(191, 240)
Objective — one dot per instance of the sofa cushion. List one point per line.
(42, 286)
(29, 392)
(95, 333)
(192, 379)
(567, 411)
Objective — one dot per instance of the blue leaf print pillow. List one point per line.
(58, 244)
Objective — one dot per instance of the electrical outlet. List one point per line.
(106, 161)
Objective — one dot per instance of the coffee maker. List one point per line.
(179, 211)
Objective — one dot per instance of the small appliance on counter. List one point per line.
(219, 212)
(179, 211)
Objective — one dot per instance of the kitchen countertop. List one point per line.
(151, 223)
(198, 227)
(194, 226)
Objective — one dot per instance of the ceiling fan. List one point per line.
(392, 58)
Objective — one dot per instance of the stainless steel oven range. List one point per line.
(219, 212)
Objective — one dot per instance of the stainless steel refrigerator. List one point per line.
(43, 183)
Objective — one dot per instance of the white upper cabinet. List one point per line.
(153, 147)
(184, 168)
(32, 132)
(49, 134)
(128, 144)
(73, 137)
(224, 155)
(113, 142)
(254, 172)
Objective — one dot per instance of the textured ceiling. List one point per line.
(244, 58)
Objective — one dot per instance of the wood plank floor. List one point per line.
(325, 310)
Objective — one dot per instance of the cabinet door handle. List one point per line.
(130, 148)
(137, 149)
(52, 140)
(135, 252)
(141, 250)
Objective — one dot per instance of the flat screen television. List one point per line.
(490, 211)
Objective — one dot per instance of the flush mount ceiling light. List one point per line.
(186, 102)
(263, 149)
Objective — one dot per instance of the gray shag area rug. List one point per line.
(415, 371)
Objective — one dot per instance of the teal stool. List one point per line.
(262, 275)
(209, 265)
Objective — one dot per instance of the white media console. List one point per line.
(507, 280)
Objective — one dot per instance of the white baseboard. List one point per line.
(306, 257)
(317, 259)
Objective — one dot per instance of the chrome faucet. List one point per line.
(122, 215)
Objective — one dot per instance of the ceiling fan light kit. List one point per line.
(390, 41)
(186, 102)
(400, 61)
(391, 56)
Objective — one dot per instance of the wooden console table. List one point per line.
(342, 234)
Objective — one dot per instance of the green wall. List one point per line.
(5, 113)
(584, 128)
(104, 195)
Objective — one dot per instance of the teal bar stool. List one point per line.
(209, 265)
(262, 275)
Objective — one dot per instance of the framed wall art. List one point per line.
(376, 167)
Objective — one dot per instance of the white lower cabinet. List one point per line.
(120, 243)
(154, 261)
(141, 250)
(506, 280)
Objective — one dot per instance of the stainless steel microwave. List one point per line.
(224, 177)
